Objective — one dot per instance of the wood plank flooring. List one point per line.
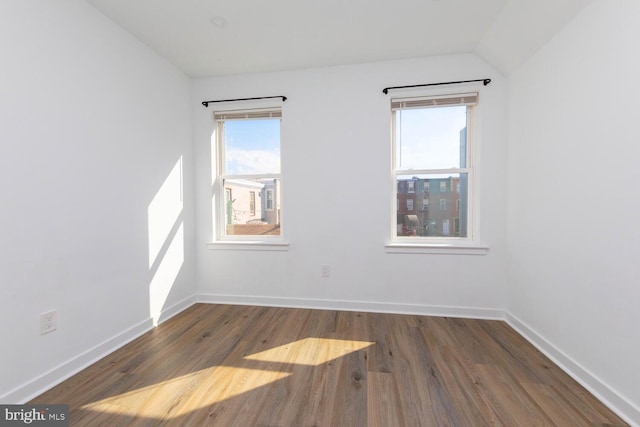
(223, 365)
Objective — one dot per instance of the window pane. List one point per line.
(252, 207)
(252, 146)
(431, 138)
(442, 208)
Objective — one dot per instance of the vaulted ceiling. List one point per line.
(220, 37)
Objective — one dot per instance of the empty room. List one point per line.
(289, 213)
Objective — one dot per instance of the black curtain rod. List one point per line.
(206, 103)
(484, 81)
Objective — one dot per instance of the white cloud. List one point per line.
(247, 162)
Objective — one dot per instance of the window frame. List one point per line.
(469, 244)
(221, 240)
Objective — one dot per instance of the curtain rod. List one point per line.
(206, 103)
(484, 82)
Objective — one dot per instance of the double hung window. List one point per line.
(432, 139)
(248, 174)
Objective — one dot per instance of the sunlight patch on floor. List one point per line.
(179, 396)
(310, 351)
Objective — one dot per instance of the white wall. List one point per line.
(92, 127)
(336, 193)
(97, 212)
(574, 199)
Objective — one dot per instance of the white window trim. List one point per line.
(452, 245)
(249, 245)
(470, 245)
(220, 240)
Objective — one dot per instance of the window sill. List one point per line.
(437, 248)
(249, 245)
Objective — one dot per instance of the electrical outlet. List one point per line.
(48, 322)
(324, 270)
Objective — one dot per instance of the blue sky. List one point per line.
(429, 138)
(252, 146)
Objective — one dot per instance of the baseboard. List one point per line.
(71, 367)
(608, 396)
(177, 308)
(350, 305)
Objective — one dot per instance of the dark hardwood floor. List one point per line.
(222, 365)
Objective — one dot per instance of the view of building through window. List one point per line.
(250, 207)
(249, 172)
(415, 215)
(431, 171)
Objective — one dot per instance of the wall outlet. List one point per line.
(324, 270)
(48, 322)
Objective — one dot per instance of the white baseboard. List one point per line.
(177, 308)
(608, 396)
(349, 305)
(51, 378)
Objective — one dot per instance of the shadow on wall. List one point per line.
(166, 240)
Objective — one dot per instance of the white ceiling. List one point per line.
(220, 37)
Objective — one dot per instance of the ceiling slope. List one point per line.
(522, 28)
(220, 37)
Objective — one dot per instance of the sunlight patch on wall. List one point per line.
(164, 210)
(310, 351)
(166, 240)
(166, 274)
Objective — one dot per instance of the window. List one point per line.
(431, 144)
(409, 204)
(269, 206)
(445, 227)
(248, 168)
(411, 187)
(252, 202)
